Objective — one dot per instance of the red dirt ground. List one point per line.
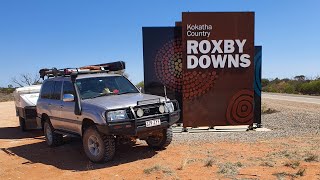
(25, 155)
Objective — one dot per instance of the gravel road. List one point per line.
(292, 119)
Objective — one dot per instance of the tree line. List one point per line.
(298, 85)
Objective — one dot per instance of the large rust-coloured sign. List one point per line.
(218, 68)
(207, 64)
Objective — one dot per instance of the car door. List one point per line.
(55, 104)
(72, 123)
(45, 103)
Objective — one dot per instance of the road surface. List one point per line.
(293, 98)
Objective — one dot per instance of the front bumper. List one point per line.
(137, 126)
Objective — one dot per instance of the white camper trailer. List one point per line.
(25, 102)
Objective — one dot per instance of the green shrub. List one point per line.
(7, 90)
(311, 87)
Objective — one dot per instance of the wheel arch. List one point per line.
(44, 117)
(86, 123)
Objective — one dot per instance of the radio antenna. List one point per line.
(165, 92)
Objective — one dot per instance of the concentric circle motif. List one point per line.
(168, 68)
(168, 65)
(240, 109)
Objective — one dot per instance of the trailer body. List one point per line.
(25, 103)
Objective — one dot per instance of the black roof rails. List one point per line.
(97, 68)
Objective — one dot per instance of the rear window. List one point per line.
(47, 89)
(57, 90)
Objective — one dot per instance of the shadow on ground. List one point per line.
(70, 155)
(16, 133)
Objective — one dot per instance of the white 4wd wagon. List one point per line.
(100, 106)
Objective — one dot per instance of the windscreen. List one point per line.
(104, 86)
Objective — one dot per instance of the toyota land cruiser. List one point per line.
(100, 106)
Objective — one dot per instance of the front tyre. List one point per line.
(161, 139)
(98, 147)
(52, 138)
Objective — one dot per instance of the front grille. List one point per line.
(149, 110)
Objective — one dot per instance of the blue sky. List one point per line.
(37, 34)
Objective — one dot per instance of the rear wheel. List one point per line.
(22, 123)
(161, 139)
(97, 146)
(52, 138)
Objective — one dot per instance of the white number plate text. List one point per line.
(154, 122)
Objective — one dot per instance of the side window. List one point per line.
(47, 89)
(68, 88)
(57, 90)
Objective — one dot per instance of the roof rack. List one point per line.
(90, 69)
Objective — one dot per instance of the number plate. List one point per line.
(154, 122)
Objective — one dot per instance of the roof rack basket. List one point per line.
(90, 69)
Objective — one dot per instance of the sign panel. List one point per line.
(218, 68)
(162, 60)
(257, 84)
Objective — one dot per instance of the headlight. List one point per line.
(117, 115)
(168, 107)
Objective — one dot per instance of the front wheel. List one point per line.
(98, 147)
(161, 139)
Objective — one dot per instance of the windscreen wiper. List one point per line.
(100, 95)
(128, 92)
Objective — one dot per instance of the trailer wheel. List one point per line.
(97, 146)
(52, 138)
(22, 123)
(160, 140)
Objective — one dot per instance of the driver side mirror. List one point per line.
(68, 97)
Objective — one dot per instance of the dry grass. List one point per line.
(188, 161)
(282, 175)
(311, 158)
(266, 110)
(183, 164)
(239, 164)
(157, 168)
(292, 164)
(209, 162)
(6, 97)
(301, 172)
(285, 154)
(267, 164)
(152, 169)
(228, 169)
